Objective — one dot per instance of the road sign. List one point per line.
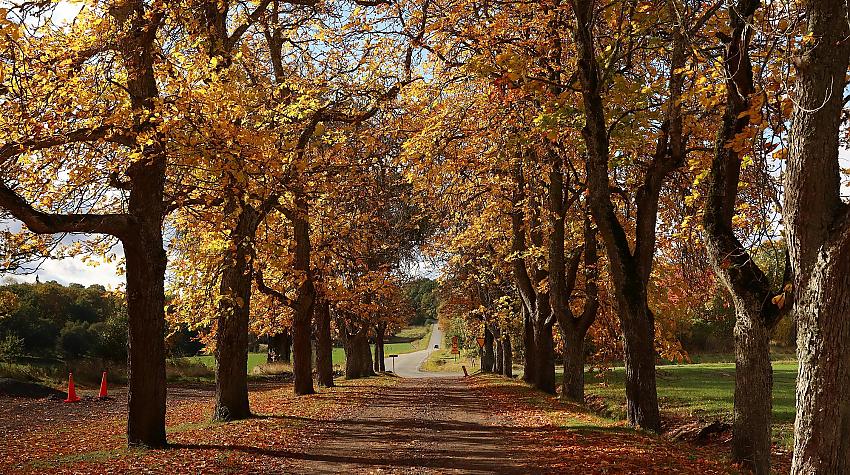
(480, 341)
(454, 345)
(393, 357)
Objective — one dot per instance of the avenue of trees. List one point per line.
(594, 177)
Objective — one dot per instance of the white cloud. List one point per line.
(73, 270)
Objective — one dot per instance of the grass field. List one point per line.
(418, 334)
(704, 390)
(443, 360)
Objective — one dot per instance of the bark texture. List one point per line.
(818, 229)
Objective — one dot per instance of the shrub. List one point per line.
(76, 339)
(11, 345)
(184, 368)
(110, 338)
(272, 369)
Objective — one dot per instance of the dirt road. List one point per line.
(481, 424)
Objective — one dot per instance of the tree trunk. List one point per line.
(498, 356)
(755, 312)
(324, 345)
(751, 440)
(143, 246)
(822, 427)
(528, 350)
(817, 223)
(231, 350)
(358, 356)
(302, 349)
(544, 359)
(280, 347)
(488, 359)
(140, 229)
(573, 383)
(639, 356)
(146, 263)
(629, 272)
(380, 331)
(507, 357)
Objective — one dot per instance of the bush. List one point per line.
(183, 342)
(38, 313)
(75, 340)
(11, 346)
(272, 369)
(709, 335)
(185, 369)
(110, 338)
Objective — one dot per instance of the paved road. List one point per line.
(407, 365)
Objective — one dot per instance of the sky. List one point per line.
(73, 270)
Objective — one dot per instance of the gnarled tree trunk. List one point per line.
(755, 312)
(358, 354)
(817, 222)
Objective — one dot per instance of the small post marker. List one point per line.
(393, 357)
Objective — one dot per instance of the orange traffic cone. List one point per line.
(72, 393)
(102, 386)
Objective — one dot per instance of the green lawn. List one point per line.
(703, 390)
(443, 360)
(421, 333)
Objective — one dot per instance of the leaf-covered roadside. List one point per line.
(390, 425)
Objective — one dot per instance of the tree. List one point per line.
(817, 221)
(630, 270)
(131, 128)
(758, 306)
